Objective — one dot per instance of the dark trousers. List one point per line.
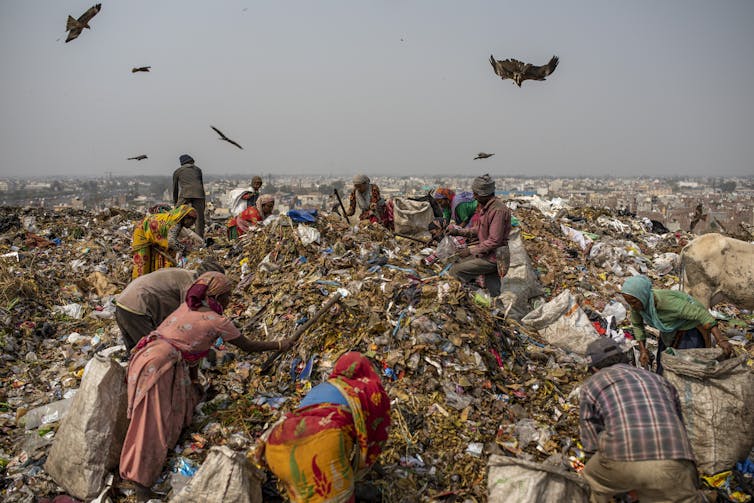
(469, 268)
(132, 326)
(199, 204)
(690, 339)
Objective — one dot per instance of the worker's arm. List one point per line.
(252, 346)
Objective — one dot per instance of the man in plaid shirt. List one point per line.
(631, 420)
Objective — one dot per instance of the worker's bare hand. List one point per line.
(287, 344)
(726, 347)
(644, 358)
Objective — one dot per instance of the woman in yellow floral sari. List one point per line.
(320, 449)
(155, 239)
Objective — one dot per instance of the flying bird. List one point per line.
(482, 155)
(140, 69)
(225, 138)
(519, 71)
(138, 158)
(74, 27)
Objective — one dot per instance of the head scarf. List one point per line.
(208, 287)
(483, 185)
(186, 159)
(356, 379)
(640, 286)
(444, 193)
(262, 200)
(357, 179)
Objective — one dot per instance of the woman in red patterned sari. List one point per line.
(319, 450)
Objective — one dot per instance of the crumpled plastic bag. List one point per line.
(308, 234)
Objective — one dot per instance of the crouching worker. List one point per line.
(163, 386)
(149, 299)
(490, 257)
(319, 450)
(630, 418)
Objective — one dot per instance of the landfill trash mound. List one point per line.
(465, 380)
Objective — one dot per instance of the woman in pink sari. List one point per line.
(163, 386)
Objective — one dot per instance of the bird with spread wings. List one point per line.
(74, 27)
(225, 138)
(137, 158)
(518, 71)
(140, 69)
(482, 155)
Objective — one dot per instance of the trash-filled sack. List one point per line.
(88, 443)
(411, 217)
(562, 323)
(520, 282)
(512, 480)
(716, 397)
(225, 476)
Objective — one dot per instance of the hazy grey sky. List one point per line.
(382, 87)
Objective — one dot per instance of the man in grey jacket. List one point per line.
(188, 188)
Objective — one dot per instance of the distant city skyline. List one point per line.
(335, 88)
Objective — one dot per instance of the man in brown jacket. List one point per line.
(188, 188)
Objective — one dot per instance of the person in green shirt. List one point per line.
(682, 320)
(456, 208)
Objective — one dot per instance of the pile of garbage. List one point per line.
(469, 377)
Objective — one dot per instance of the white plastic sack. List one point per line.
(520, 282)
(513, 480)
(577, 237)
(716, 398)
(411, 217)
(562, 323)
(225, 476)
(88, 443)
(308, 234)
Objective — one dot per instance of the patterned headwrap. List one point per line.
(483, 185)
(360, 179)
(262, 200)
(208, 286)
(357, 380)
(444, 193)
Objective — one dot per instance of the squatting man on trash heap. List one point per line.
(490, 256)
(188, 188)
(366, 196)
(319, 450)
(146, 301)
(630, 418)
(163, 377)
(682, 320)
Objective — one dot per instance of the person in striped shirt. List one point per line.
(630, 418)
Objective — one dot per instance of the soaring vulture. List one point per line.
(482, 155)
(138, 158)
(74, 27)
(225, 138)
(140, 69)
(519, 71)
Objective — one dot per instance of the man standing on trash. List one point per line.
(631, 420)
(188, 188)
(146, 301)
(492, 230)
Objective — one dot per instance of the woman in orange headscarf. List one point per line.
(163, 386)
(155, 239)
(319, 450)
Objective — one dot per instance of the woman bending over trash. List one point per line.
(319, 450)
(682, 320)
(163, 386)
(251, 216)
(155, 239)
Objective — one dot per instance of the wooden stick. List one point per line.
(303, 328)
